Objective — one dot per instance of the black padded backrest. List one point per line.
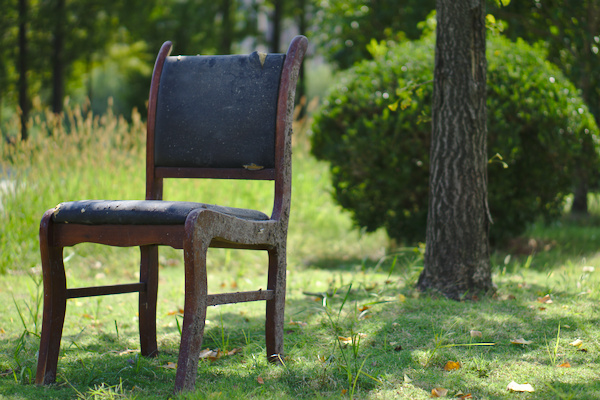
(217, 111)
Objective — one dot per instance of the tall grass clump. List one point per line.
(71, 156)
(79, 155)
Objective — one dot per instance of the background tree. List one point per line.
(23, 66)
(570, 30)
(344, 28)
(457, 254)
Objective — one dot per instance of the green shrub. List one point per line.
(374, 128)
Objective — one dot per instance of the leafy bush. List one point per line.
(374, 128)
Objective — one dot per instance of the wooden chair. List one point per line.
(225, 117)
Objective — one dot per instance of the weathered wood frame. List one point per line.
(202, 229)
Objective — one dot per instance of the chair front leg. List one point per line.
(276, 307)
(148, 299)
(55, 303)
(194, 311)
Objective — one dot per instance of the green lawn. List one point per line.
(355, 325)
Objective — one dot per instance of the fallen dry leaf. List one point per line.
(475, 334)
(565, 365)
(452, 366)
(348, 339)
(170, 365)
(299, 323)
(344, 391)
(520, 341)
(6, 372)
(576, 343)
(520, 387)
(205, 353)
(439, 392)
(463, 396)
(234, 351)
(546, 299)
(260, 380)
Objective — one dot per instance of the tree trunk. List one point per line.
(23, 96)
(227, 31)
(58, 67)
(457, 253)
(301, 86)
(580, 201)
(277, 16)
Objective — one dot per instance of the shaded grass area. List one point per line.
(355, 326)
(402, 338)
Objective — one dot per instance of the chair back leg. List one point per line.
(275, 308)
(55, 303)
(148, 299)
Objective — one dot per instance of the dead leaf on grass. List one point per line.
(348, 339)
(566, 364)
(299, 323)
(452, 366)
(475, 334)
(520, 387)
(463, 396)
(546, 299)
(520, 341)
(439, 392)
(170, 365)
(576, 343)
(260, 380)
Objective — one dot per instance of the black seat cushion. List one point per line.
(142, 212)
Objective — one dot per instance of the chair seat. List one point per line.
(140, 212)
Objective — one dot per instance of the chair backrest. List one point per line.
(225, 116)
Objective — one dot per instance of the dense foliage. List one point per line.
(374, 129)
(345, 27)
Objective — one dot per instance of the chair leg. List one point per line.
(194, 316)
(276, 307)
(55, 303)
(148, 299)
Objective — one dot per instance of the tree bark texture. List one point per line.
(457, 251)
